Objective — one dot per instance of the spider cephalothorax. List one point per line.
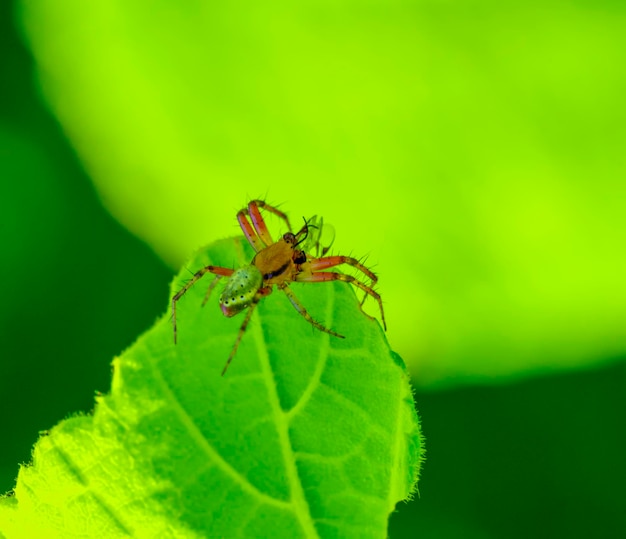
(275, 263)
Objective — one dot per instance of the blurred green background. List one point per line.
(476, 153)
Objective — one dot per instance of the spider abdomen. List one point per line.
(240, 290)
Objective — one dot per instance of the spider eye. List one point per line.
(289, 237)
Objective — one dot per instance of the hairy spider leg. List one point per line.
(260, 294)
(325, 276)
(259, 222)
(258, 235)
(251, 235)
(300, 308)
(219, 273)
(331, 261)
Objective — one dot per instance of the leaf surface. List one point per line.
(307, 435)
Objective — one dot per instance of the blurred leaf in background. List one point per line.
(475, 152)
(77, 288)
(541, 458)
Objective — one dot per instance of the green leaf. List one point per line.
(306, 435)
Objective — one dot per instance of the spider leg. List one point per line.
(260, 294)
(300, 308)
(253, 208)
(251, 235)
(210, 289)
(258, 222)
(324, 276)
(332, 261)
(219, 273)
(257, 233)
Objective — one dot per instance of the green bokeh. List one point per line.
(68, 270)
(507, 216)
(475, 153)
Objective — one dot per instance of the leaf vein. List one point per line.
(358, 408)
(74, 468)
(204, 444)
(298, 498)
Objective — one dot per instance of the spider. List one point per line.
(276, 263)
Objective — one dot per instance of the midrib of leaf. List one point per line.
(298, 500)
(319, 367)
(203, 443)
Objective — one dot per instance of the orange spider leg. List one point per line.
(260, 294)
(259, 223)
(331, 261)
(254, 206)
(324, 276)
(300, 308)
(258, 230)
(251, 235)
(219, 273)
